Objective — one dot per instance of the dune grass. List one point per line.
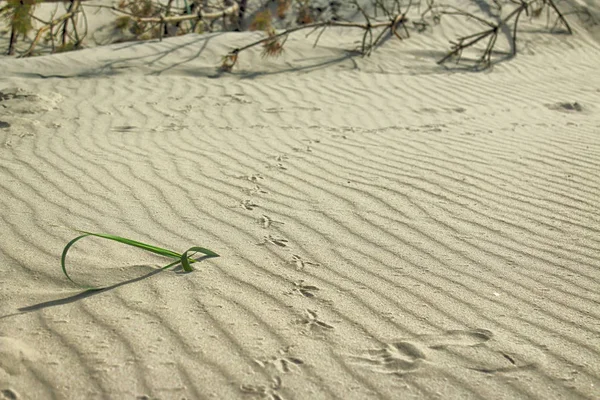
(183, 258)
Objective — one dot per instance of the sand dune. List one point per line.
(387, 228)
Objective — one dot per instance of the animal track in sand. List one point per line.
(22, 101)
(279, 166)
(313, 323)
(281, 242)
(453, 349)
(248, 205)
(238, 98)
(255, 178)
(15, 356)
(256, 190)
(282, 362)
(566, 106)
(300, 263)
(308, 149)
(311, 141)
(305, 290)
(252, 177)
(266, 221)
(15, 132)
(280, 157)
(394, 358)
(269, 392)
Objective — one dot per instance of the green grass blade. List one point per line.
(144, 246)
(184, 258)
(63, 258)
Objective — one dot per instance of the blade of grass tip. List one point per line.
(63, 262)
(185, 258)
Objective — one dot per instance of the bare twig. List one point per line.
(367, 44)
(152, 18)
(12, 42)
(233, 9)
(494, 28)
(44, 28)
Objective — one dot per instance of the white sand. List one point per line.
(387, 228)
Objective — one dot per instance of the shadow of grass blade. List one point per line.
(184, 258)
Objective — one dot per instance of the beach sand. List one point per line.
(387, 227)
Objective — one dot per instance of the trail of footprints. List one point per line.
(265, 220)
(283, 362)
(455, 348)
(310, 321)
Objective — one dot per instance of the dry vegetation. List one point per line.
(381, 20)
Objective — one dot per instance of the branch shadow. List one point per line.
(122, 63)
(317, 64)
(150, 61)
(158, 56)
(94, 292)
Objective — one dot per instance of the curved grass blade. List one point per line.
(64, 258)
(184, 258)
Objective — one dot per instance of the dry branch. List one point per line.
(273, 45)
(63, 19)
(153, 19)
(232, 10)
(229, 11)
(494, 28)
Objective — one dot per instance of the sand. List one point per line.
(388, 228)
